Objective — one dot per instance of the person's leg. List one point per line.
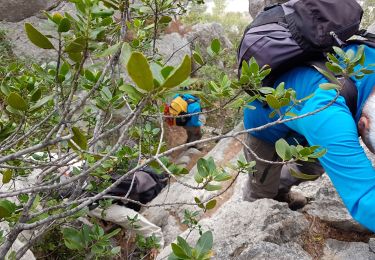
(314, 169)
(194, 133)
(272, 180)
(264, 181)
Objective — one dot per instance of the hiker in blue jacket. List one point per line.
(334, 128)
(184, 104)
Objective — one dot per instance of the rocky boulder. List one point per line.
(21, 46)
(337, 250)
(18, 10)
(173, 48)
(264, 229)
(327, 205)
(201, 36)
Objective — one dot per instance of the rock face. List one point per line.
(18, 10)
(264, 229)
(201, 35)
(338, 250)
(21, 46)
(173, 48)
(327, 205)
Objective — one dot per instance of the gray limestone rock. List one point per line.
(372, 244)
(173, 48)
(17, 10)
(21, 46)
(267, 250)
(327, 205)
(201, 36)
(241, 230)
(339, 250)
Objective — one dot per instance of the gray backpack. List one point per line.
(297, 32)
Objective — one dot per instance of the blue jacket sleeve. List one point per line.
(345, 162)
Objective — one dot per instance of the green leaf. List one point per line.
(64, 25)
(254, 67)
(7, 176)
(65, 67)
(126, 52)
(198, 58)
(41, 102)
(328, 75)
(272, 114)
(56, 18)
(215, 46)
(36, 95)
(116, 250)
(211, 204)
(16, 101)
(75, 56)
(198, 178)
(179, 75)
(222, 176)
(198, 201)
(318, 154)
(339, 52)
(140, 72)
(204, 244)
(335, 68)
(359, 54)
(283, 149)
(72, 239)
(165, 19)
(302, 176)
(178, 251)
(110, 51)
(7, 208)
(77, 45)
(132, 92)
(79, 138)
(333, 58)
(14, 111)
(184, 245)
(273, 102)
(266, 90)
(166, 71)
(329, 86)
(290, 114)
(37, 37)
(202, 167)
(211, 187)
(5, 89)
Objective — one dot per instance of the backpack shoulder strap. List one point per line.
(349, 91)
